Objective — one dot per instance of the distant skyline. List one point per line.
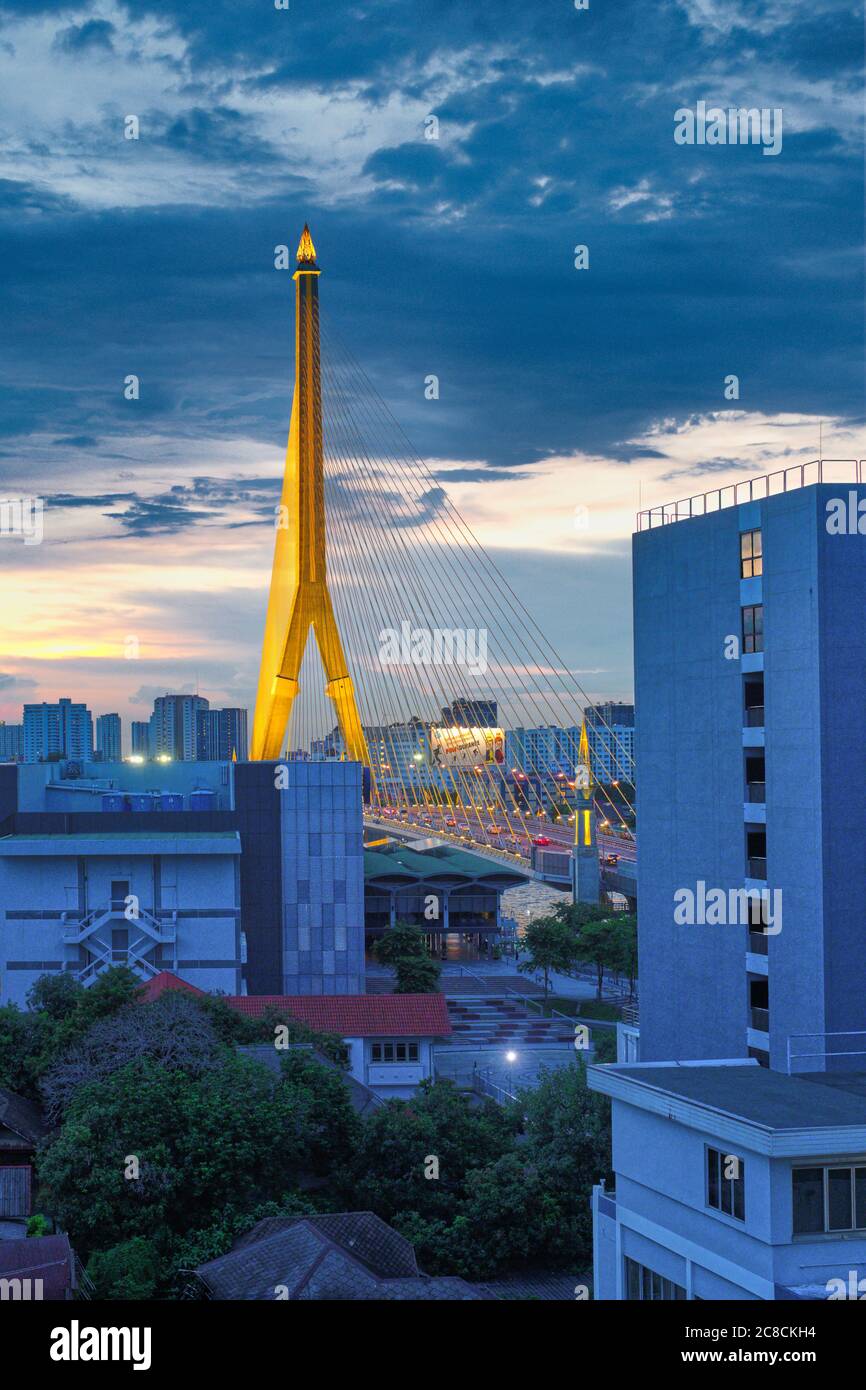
(567, 399)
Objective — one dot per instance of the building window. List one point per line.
(829, 1199)
(751, 555)
(726, 1183)
(753, 628)
(394, 1052)
(643, 1283)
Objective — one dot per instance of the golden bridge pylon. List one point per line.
(299, 598)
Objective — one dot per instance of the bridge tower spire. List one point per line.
(299, 597)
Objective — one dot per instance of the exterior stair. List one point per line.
(499, 1020)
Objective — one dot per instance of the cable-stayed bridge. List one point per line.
(426, 666)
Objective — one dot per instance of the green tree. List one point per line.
(391, 1170)
(598, 943)
(26, 1049)
(229, 1137)
(126, 1271)
(59, 995)
(415, 975)
(625, 954)
(404, 949)
(551, 945)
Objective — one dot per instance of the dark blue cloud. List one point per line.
(94, 36)
(455, 257)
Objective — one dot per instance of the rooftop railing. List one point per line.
(754, 490)
(824, 1051)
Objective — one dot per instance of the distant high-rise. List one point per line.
(11, 743)
(108, 738)
(221, 734)
(464, 713)
(140, 733)
(54, 731)
(610, 712)
(173, 730)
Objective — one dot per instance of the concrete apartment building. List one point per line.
(248, 877)
(750, 655)
(739, 1104)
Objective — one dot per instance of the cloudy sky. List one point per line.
(563, 393)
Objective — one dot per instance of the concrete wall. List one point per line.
(688, 597)
(36, 890)
(689, 790)
(666, 1224)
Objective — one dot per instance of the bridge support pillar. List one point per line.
(585, 876)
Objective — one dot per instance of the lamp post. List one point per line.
(511, 1058)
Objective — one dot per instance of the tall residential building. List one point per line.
(173, 728)
(61, 730)
(464, 713)
(750, 650)
(610, 712)
(140, 735)
(611, 751)
(221, 734)
(11, 742)
(108, 741)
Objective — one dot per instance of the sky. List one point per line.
(568, 398)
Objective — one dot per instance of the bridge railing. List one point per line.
(753, 490)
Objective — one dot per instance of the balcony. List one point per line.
(757, 866)
(754, 717)
(758, 943)
(760, 1019)
(756, 792)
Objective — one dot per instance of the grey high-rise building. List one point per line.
(54, 731)
(173, 726)
(11, 743)
(108, 738)
(221, 734)
(140, 735)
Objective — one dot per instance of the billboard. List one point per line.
(455, 747)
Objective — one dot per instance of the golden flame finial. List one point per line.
(306, 249)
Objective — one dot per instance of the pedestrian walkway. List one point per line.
(501, 1021)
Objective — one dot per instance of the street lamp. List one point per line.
(511, 1058)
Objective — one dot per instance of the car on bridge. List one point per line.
(611, 859)
(494, 830)
(541, 840)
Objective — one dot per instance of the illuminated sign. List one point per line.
(466, 748)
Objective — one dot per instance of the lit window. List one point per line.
(751, 555)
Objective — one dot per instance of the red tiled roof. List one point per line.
(161, 982)
(356, 1015)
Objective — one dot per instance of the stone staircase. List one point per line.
(498, 1020)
